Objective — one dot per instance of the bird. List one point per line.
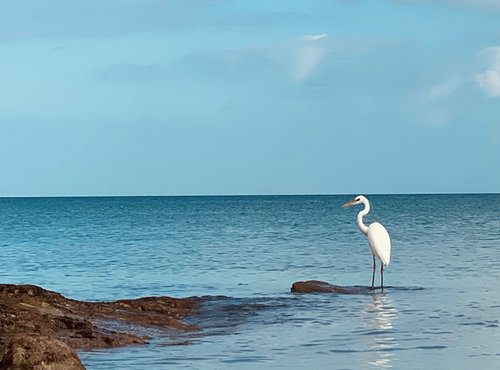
(378, 237)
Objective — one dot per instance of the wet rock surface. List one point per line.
(316, 286)
(40, 329)
(33, 351)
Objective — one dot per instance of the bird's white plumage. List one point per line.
(378, 237)
(380, 242)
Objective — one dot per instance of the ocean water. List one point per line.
(441, 309)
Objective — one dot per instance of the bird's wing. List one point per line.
(380, 242)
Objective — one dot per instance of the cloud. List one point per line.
(444, 89)
(489, 80)
(308, 55)
(314, 37)
(290, 60)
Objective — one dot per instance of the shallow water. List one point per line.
(441, 311)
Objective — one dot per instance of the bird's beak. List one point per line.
(348, 204)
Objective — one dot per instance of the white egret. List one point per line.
(378, 237)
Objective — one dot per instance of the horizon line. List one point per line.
(233, 195)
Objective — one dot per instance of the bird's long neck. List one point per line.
(364, 212)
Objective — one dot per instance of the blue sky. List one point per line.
(139, 97)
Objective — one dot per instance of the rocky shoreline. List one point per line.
(41, 329)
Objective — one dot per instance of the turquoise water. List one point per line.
(441, 311)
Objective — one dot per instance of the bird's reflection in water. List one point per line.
(379, 315)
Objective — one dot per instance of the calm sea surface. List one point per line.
(441, 311)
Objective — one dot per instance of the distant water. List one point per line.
(441, 312)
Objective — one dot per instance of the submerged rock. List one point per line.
(40, 329)
(316, 286)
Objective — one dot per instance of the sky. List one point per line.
(202, 97)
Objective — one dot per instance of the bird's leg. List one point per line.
(373, 275)
(382, 276)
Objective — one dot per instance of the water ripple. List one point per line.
(442, 295)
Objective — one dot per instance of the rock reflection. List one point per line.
(380, 313)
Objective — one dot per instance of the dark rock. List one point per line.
(316, 286)
(38, 352)
(34, 321)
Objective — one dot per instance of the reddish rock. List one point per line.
(316, 286)
(37, 352)
(36, 323)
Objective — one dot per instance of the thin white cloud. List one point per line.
(489, 80)
(444, 89)
(306, 61)
(314, 37)
(308, 56)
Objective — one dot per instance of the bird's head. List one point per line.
(358, 200)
